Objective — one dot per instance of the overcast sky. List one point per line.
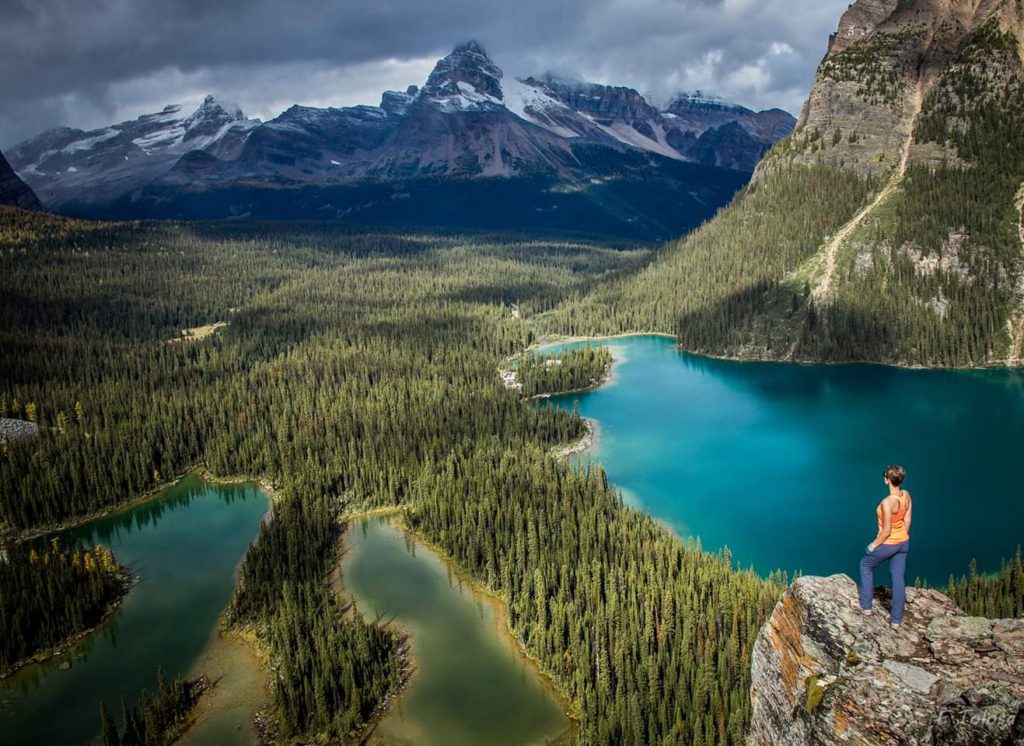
(87, 63)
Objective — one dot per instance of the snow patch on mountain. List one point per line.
(160, 138)
(89, 143)
(535, 105)
(65, 164)
(629, 136)
(468, 98)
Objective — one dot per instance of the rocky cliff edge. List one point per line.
(825, 674)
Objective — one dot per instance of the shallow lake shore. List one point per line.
(236, 668)
(502, 631)
(186, 546)
(588, 444)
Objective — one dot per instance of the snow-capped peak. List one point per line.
(468, 63)
(213, 110)
(700, 97)
(701, 100)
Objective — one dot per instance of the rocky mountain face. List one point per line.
(925, 98)
(825, 674)
(889, 226)
(468, 121)
(697, 113)
(14, 191)
(745, 135)
(893, 68)
(69, 166)
(690, 128)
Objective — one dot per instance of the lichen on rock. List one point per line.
(825, 674)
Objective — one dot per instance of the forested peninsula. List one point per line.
(51, 595)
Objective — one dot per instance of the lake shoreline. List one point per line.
(404, 649)
(499, 605)
(553, 339)
(229, 652)
(131, 581)
(505, 634)
(246, 643)
(673, 416)
(604, 380)
(19, 537)
(148, 539)
(874, 363)
(505, 368)
(587, 444)
(66, 645)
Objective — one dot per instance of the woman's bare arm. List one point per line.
(886, 529)
(910, 511)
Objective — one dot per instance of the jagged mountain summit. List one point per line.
(635, 165)
(890, 225)
(469, 118)
(14, 191)
(690, 127)
(67, 165)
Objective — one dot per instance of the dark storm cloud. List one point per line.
(88, 62)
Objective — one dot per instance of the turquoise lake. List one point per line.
(186, 546)
(783, 463)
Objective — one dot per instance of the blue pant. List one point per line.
(897, 554)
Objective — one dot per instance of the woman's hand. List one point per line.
(871, 548)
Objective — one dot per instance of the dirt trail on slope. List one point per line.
(823, 288)
(1016, 321)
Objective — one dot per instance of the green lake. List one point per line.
(783, 463)
(185, 545)
(470, 684)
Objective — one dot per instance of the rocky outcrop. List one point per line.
(13, 429)
(728, 146)
(858, 22)
(825, 674)
(14, 191)
(605, 104)
(884, 60)
(467, 66)
(868, 88)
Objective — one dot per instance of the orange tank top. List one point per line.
(898, 533)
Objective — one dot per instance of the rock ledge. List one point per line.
(825, 674)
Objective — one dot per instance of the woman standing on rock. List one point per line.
(892, 543)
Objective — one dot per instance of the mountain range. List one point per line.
(472, 146)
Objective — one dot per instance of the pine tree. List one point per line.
(108, 728)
